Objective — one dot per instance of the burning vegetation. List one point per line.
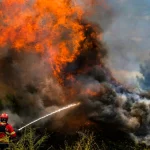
(51, 55)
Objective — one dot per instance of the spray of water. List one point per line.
(54, 112)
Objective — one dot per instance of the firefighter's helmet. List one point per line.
(4, 117)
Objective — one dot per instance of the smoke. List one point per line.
(100, 12)
(144, 69)
(53, 57)
(28, 77)
(13, 117)
(127, 38)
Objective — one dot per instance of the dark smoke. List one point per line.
(112, 104)
(28, 77)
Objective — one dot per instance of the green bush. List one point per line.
(85, 142)
(29, 141)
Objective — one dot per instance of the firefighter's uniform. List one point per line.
(6, 132)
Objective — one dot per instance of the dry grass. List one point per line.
(86, 141)
(29, 141)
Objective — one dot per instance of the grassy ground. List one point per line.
(29, 141)
(86, 141)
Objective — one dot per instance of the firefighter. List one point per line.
(6, 131)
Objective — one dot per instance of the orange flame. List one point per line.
(47, 27)
(41, 25)
(90, 92)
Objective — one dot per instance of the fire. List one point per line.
(58, 30)
(43, 26)
(89, 92)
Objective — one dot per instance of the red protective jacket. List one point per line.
(6, 131)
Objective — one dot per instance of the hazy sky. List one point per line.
(128, 37)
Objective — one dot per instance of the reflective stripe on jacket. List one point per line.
(6, 131)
